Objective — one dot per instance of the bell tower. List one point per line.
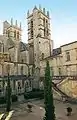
(11, 30)
(39, 37)
(39, 23)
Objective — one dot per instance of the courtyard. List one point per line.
(20, 111)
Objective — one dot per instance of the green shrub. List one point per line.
(2, 100)
(14, 98)
(34, 94)
(34, 90)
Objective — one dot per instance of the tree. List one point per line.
(48, 95)
(8, 95)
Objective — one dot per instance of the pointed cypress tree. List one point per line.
(8, 95)
(48, 95)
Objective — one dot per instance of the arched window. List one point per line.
(22, 60)
(21, 70)
(44, 21)
(0, 47)
(31, 23)
(47, 32)
(8, 33)
(10, 58)
(19, 86)
(18, 35)
(8, 69)
(15, 34)
(42, 55)
(31, 28)
(68, 56)
(59, 71)
(44, 32)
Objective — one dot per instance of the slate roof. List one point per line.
(23, 47)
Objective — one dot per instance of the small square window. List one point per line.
(42, 55)
(59, 71)
(67, 56)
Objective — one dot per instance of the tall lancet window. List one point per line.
(0, 47)
(31, 28)
(18, 35)
(44, 22)
(21, 70)
(15, 34)
(8, 33)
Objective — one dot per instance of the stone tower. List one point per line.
(39, 38)
(13, 33)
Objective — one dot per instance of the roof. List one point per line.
(40, 11)
(56, 51)
(69, 43)
(23, 47)
(14, 26)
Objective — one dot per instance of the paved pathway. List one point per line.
(21, 113)
(38, 111)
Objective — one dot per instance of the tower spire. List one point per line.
(16, 23)
(28, 13)
(44, 10)
(48, 13)
(39, 7)
(11, 21)
(35, 8)
(20, 25)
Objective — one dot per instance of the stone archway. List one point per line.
(19, 86)
(27, 86)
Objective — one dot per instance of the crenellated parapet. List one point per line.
(12, 30)
(42, 10)
(15, 24)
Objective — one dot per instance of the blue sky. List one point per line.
(63, 17)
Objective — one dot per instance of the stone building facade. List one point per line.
(63, 60)
(14, 55)
(24, 58)
(39, 39)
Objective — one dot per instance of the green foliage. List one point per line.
(14, 98)
(8, 95)
(34, 94)
(2, 100)
(48, 95)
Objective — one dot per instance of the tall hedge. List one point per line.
(48, 95)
